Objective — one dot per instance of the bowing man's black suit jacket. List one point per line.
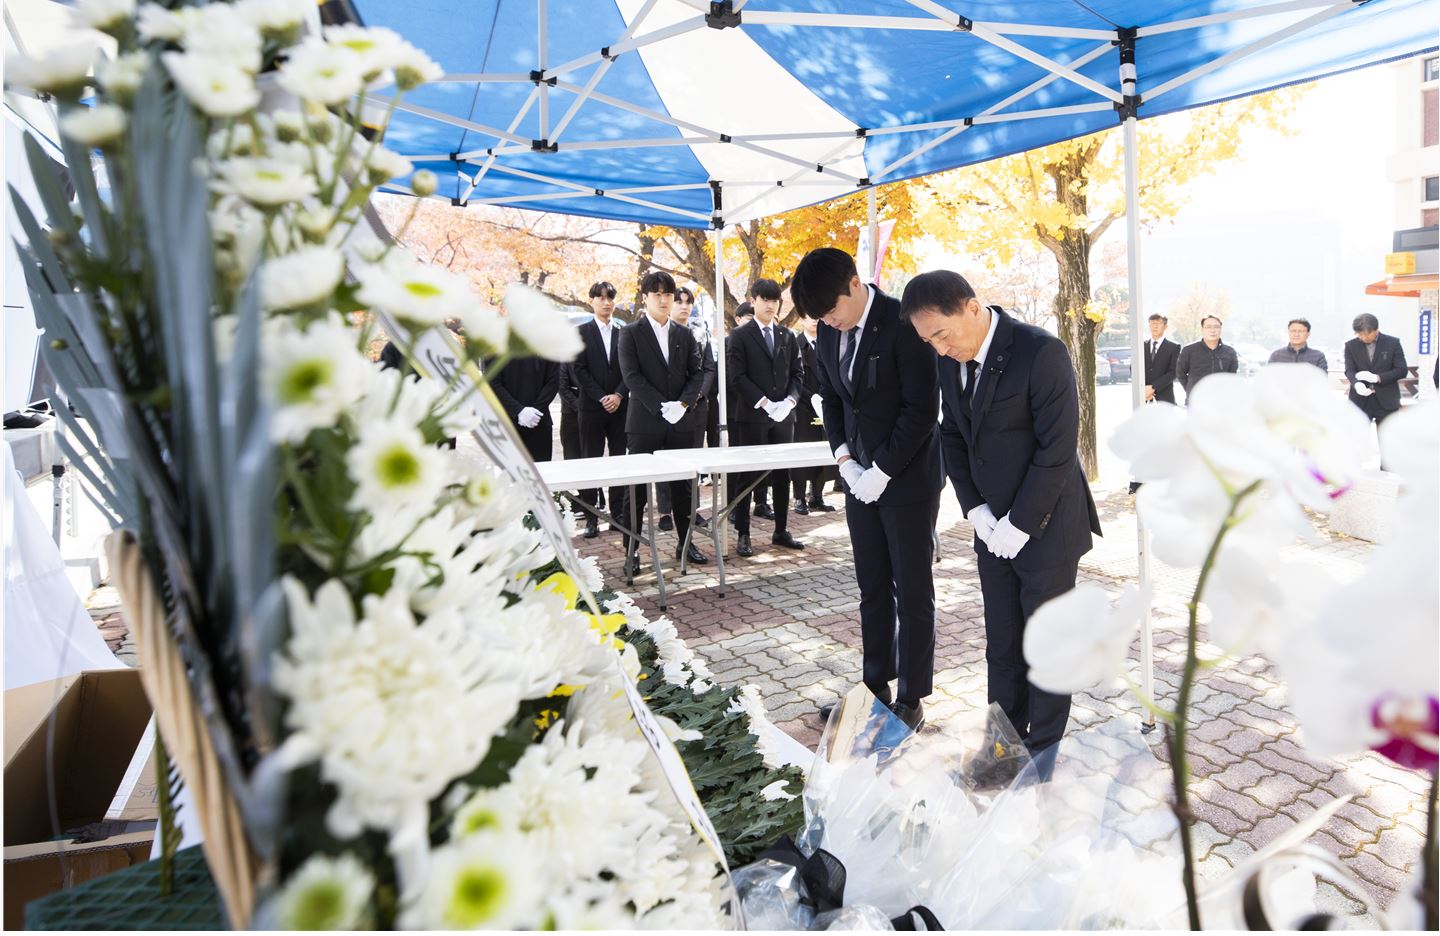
(651, 381)
(1160, 369)
(890, 419)
(1016, 447)
(597, 375)
(754, 375)
(1389, 365)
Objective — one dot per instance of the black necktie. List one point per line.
(847, 357)
(967, 393)
(770, 340)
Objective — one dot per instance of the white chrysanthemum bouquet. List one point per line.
(416, 729)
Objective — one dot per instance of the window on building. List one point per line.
(1429, 117)
(1432, 188)
(1430, 70)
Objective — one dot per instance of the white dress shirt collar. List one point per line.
(984, 348)
(859, 330)
(606, 330)
(662, 335)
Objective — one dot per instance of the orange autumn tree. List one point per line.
(1064, 198)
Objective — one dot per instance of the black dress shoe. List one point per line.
(801, 509)
(693, 554)
(701, 522)
(742, 546)
(592, 530)
(631, 567)
(783, 538)
(913, 715)
(764, 512)
(818, 504)
(666, 523)
(826, 709)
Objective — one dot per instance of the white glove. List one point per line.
(818, 405)
(1364, 389)
(850, 473)
(764, 403)
(530, 417)
(984, 520)
(780, 409)
(673, 411)
(1007, 539)
(870, 486)
(1367, 376)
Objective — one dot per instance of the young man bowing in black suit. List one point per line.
(661, 364)
(602, 395)
(878, 393)
(766, 380)
(1010, 428)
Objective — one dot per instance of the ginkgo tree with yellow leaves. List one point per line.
(1065, 197)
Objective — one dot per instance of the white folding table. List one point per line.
(740, 459)
(571, 476)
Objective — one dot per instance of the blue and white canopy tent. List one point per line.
(695, 114)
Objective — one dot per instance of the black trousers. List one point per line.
(1011, 595)
(813, 479)
(645, 443)
(1372, 408)
(598, 430)
(540, 441)
(712, 423)
(892, 568)
(777, 484)
(569, 433)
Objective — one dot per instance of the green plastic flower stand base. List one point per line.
(130, 900)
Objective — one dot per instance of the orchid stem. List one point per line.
(1430, 888)
(1177, 730)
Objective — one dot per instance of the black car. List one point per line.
(1119, 359)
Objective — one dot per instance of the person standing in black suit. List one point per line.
(1010, 429)
(878, 391)
(684, 307)
(766, 381)
(526, 387)
(1374, 365)
(569, 412)
(1161, 355)
(602, 395)
(807, 414)
(660, 363)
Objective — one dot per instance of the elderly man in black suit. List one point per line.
(1374, 365)
(602, 394)
(878, 393)
(766, 380)
(1010, 428)
(661, 364)
(526, 387)
(1161, 356)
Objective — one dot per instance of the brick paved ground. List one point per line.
(788, 623)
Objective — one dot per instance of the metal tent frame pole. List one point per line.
(1130, 132)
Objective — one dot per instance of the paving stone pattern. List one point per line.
(788, 623)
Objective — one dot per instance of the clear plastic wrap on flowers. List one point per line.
(853, 917)
(773, 896)
(961, 820)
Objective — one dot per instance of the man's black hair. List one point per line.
(1299, 321)
(1157, 317)
(1206, 318)
(944, 291)
(765, 289)
(1365, 322)
(602, 289)
(744, 309)
(685, 291)
(821, 278)
(657, 281)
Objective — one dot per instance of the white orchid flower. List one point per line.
(1079, 640)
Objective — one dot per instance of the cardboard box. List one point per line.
(98, 720)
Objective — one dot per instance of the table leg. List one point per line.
(690, 530)
(632, 548)
(654, 548)
(719, 519)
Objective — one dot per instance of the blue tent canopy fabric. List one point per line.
(692, 114)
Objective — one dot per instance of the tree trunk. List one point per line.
(1072, 254)
(647, 262)
(701, 267)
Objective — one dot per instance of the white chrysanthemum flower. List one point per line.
(540, 326)
(156, 22)
(424, 182)
(488, 498)
(326, 894)
(542, 644)
(486, 327)
(419, 294)
(379, 49)
(391, 464)
(386, 164)
(218, 88)
(310, 377)
(263, 181)
(219, 34)
(303, 278)
(593, 910)
(486, 881)
(324, 74)
(393, 709)
(274, 18)
(97, 126)
(64, 69)
(121, 76)
(104, 15)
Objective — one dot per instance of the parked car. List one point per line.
(1252, 357)
(1102, 369)
(1119, 360)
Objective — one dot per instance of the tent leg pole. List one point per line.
(873, 224)
(720, 520)
(1130, 131)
